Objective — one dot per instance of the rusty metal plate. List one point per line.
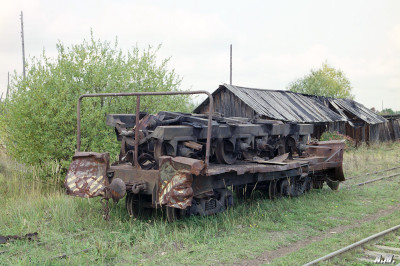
(332, 150)
(241, 168)
(86, 176)
(175, 187)
(330, 154)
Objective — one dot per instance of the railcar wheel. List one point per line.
(128, 204)
(272, 190)
(135, 206)
(174, 214)
(308, 184)
(162, 148)
(159, 150)
(317, 184)
(244, 192)
(286, 187)
(225, 152)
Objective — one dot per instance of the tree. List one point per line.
(388, 111)
(325, 81)
(40, 121)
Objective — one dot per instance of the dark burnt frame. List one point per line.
(138, 95)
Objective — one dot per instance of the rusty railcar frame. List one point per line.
(137, 114)
(322, 162)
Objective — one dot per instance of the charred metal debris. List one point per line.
(9, 238)
(191, 164)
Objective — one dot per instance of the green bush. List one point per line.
(325, 81)
(349, 142)
(39, 124)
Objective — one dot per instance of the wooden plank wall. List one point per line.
(356, 133)
(320, 128)
(381, 132)
(228, 104)
(396, 128)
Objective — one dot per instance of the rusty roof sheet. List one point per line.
(282, 105)
(358, 110)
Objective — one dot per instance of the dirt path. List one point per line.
(268, 256)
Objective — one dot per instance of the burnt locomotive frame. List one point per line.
(190, 186)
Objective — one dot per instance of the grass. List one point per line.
(390, 240)
(367, 159)
(68, 225)
(338, 241)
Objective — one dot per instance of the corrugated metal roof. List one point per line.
(358, 110)
(282, 105)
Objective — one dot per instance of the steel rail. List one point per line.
(377, 179)
(365, 240)
(138, 94)
(354, 245)
(373, 173)
(370, 181)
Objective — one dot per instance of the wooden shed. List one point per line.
(362, 123)
(345, 116)
(235, 101)
(394, 126)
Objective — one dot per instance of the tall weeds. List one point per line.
(18, 180)
(370, 158)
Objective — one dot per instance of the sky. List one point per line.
(274, 42)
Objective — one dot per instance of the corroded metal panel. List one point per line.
(357, 109)
(86, 176)
(176, 177)
(330, 156)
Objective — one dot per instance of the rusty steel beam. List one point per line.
(138, 94)
(136, 163)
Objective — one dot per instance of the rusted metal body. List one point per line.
(87, 174)
(176, 177)
(325, 155)
(188, 163)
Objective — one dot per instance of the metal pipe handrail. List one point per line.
(138, 94)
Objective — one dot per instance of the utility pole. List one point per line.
(8, 84)
(23, 45)
(230, 79)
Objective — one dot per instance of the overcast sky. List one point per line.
(274, 42)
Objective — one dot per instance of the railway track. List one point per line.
(375, 249)
(374, 173)
(349, 185)
(380, 251)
